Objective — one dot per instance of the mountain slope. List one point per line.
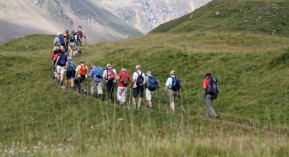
(234, 15)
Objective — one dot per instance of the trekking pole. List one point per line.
(159, 104)
(164, 101)
(111, 91)
(181, 100)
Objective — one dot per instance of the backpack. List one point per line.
(152, 83)
(62, 60)
(61, 39)
(82, 70)
(110, 74)
(71, 66)
(79, 33)
(98, 72)
(213, 87)
(125, 79)
(72, 38)
(139, 80)
(176, 84)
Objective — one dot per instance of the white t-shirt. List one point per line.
(135, 76)
(169, 82)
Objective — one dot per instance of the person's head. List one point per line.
(208, 76)
(72, 32)
(92, 65)
(58, 34)
(123, 70)
(172, 73)
(148, 73)
(69, 58)
(67, 31)
(81, 62)
(108, 66)
(79, 26)
(137, 67)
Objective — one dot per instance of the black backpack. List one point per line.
(139, 80)
(213, 87)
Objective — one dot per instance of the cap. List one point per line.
(148, 73)
(137, 67)
(58, 33)
(172, 73)
(108, 65)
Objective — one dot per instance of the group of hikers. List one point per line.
(141, 83)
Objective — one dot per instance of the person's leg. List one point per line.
(134, 96)
(123, 96)
(209, 108)
(141, 91)
(119, 93)
(92, 88)
(172, 100)
(99, 90)
(85, 85)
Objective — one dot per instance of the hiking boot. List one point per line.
(100, 96)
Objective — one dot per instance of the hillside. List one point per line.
(270, 16)
(40, 119)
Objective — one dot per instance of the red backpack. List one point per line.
(79, 33)
(82, 70)
(110, 74)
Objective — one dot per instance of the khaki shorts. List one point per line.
(149, 94)
(173, 95)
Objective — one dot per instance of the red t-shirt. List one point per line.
(123, 75)
(206, 84)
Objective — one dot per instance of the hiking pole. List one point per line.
(110, 92)
(181, 100)
(159, 104)
(164, 101)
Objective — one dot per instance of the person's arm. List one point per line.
(66, 65)
(76, 72)
(56, 60)
(167, 85)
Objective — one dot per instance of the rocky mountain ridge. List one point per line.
(102, 20)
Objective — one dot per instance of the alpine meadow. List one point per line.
(244, 43)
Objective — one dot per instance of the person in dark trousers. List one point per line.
(109, 75)
(210, 111)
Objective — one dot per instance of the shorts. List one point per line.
(70, 74)
(137, 91)
(60, 69)
(173, 95)
(149, 94)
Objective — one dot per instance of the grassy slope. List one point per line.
(253, 103)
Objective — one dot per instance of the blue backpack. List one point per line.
(176, 84)
(98, 72)
(62, 60)
(152, 83)
(61, 39)
(71, 66)
(213, 87)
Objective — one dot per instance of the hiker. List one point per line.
(70, 73)
(81, 77)
(96, 73)
(66, 36)
(73, 47)
(209, 96)
(151, 86)
(60, 69)
(80, 35)
(59, 39)
(109, 75)
(172, 86)
(124, 80)
(138, 79)
(56, 52)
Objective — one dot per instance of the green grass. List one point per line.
(40, 119)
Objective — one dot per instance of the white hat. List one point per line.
(137, 67)
(108, 66)
(148, 73)
(58, 33)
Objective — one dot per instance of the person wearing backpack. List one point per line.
(138, 80)
(124, 80)
(211, 90)
(109, 75)
(96, 73)
(172, 86)
(80, 35)
(151, 86)
(60, 69)
(81, 74)
(73, 47)
(66, 37)
(70, 73)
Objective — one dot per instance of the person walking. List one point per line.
(81, 72)
(60, 69)
(210, 111)
(138, 80)
(124, 80)
(96, 73)
(70, 72)
(151, 86)
(109, 75)
(172, 86)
